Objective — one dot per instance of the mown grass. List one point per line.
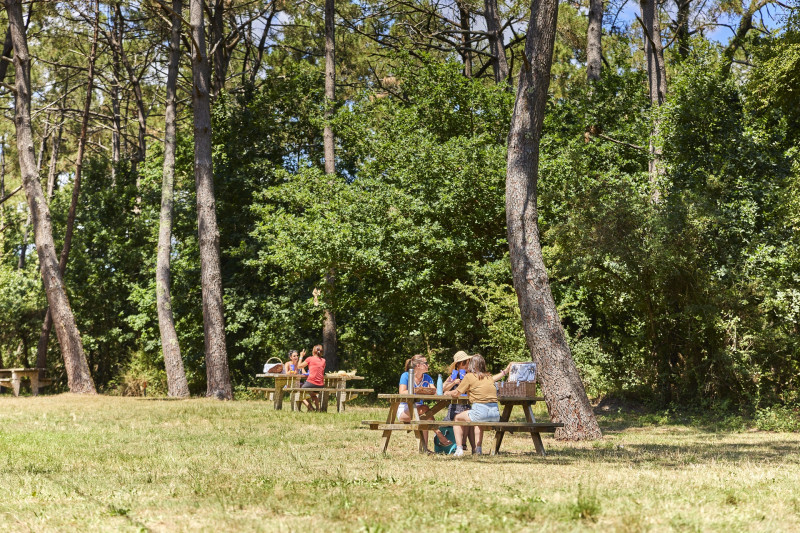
(111, 463)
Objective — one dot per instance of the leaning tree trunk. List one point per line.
(498, 50)
(329, 341)
(657, 81)
(594, 36)
(562, 387)
(218, 377)
(44, 335)
(78, 376)
(176, 377)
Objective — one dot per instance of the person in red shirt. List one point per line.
(316, 374)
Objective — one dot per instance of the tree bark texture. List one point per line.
(330, 87)
(218, 377)
(7, 49)
(498, 50)
(466, 52)
(682, 30)
(78, 376)
(176, 377)
(561, 384)
(329, 340)
(657, 81)
(44, 335)
(594, 44)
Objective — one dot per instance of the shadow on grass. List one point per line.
(679, 455)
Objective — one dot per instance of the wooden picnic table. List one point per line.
(334, 383)
(423, 422)
(12, 379)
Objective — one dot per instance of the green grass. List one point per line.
(111, 463)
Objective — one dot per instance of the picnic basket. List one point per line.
(425, 390)
(273, 366)
(518, 389)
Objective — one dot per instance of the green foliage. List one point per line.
(778, 418)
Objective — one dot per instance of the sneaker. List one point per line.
(459, 452)
(477, 451)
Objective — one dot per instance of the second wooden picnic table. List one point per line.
(333, 380)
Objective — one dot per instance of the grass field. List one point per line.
(111, 463)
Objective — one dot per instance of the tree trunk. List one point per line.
(222, 53)
(78, 376)
(466, 52)
(141, 113)
(51, 170)
(44, 335)
(176, 377)
(682, 31)
(7, 48)
(594, 44)
(745, 25)
(219, 382)
(493, 27)
(116, 130)
(562, 387)
(657, 81)
(329, 341)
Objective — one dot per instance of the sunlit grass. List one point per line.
(110, 463)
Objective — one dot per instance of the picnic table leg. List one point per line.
(35, 384)
(323, 406)
(498, 436)
(340, 396)
(537, 438)
(15, 382)
(417, 432)
(279, 384)
(387, 433)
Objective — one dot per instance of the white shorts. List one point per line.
(402, 409)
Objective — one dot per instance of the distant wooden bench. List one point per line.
(11, 378)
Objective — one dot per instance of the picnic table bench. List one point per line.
(12, 378)
(420, 423)
(335, 384)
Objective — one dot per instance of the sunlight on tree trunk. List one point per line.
(561, 384)
(218, 377)
(78, 376)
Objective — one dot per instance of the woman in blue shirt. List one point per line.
(421, 379)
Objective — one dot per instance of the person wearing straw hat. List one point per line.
(458, 370)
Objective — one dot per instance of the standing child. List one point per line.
(316, 374)
(478, 384)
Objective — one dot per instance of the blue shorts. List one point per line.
(484, 412)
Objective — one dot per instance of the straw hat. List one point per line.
(461, 356)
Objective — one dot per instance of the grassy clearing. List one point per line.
(111, 463)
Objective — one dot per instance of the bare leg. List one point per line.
(463, 416)
(471, 437)
(479, 436)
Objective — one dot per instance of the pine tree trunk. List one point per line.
(329, 341)
(466, 51)
(594, 44)
(682, 31)
(498, 50)
(218, 377)
(562, 387)
(78, 376)
(176, 377)
(657, 81)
